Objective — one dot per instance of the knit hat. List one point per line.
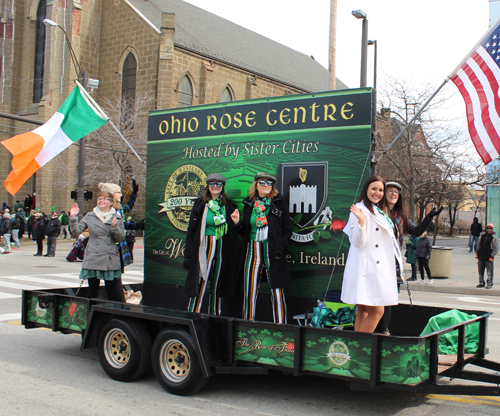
(112, 188)
(490, 225)
(7, 216)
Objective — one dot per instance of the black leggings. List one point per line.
(113, 287)
(423, 263)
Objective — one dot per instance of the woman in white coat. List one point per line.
(370, 274)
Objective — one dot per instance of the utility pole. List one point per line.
(332, 50)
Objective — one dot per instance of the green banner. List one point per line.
(318, 147)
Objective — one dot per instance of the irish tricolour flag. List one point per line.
(76, 118)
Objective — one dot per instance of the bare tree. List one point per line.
(107, 156)
(430, 154)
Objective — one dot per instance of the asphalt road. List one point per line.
(46, 373)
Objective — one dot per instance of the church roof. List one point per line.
(219, 39)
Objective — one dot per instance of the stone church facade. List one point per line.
(180, 53)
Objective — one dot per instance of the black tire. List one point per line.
(175, 363)
(124, 349)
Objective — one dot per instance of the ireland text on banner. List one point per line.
(76, 118)
(478, 80)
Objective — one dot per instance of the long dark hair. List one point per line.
(207, 195)
(399, 210)
(364, 193)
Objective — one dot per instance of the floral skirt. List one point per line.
(100, 274)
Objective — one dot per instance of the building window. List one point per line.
(185, 92)
(39, 52)
(129, 76)
(226, 95)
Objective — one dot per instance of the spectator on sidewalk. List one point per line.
(486, 252)
(39, 231)
(16, 226)
(411, 248)
(6, 232)
(17, 205)
(423, 255)
(52, 231)
(29, 224)
(64, 219)
(475, 231)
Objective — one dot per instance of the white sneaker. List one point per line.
(421, 282)
(431, 282)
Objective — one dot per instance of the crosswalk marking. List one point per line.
(14, 284)
(8, 296)
(10, 316)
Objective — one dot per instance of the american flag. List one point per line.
(478, 80)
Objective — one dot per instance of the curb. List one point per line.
(454, 290)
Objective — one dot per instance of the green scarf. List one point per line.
(260, 207)
(219, 217)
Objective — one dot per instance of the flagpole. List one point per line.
(412, 120)
(107, 119)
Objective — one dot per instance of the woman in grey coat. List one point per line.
(102, 260)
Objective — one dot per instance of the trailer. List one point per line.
(186, 349)
(318, 146)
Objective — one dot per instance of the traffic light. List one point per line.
(88, 195)
(74, 195)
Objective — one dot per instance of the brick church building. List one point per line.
(177, 52)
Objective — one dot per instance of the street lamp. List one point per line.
(81, 145)
(360, 14)
(374, 100)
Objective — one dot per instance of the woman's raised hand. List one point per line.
(235, 216)
(114, 222)
(74, 210)
(359, 214)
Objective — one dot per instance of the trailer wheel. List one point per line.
(175, 363)
(124, 349)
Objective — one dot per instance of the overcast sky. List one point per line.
(420, 41)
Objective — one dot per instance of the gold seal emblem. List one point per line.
(338, 353)
(184, 185)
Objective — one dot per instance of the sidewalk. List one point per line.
(464, 274)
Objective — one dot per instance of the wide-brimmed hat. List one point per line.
(215, 177)
(37, 214)
(264, 175)
(392, 184)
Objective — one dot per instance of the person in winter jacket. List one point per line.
(402, 224)
(411, 248)
(266, 229)
(102, 260)
(52, 231)
(486, 252)
(475, 231)
(38, 233)
(29, 223)
(17, 221)
(423, 255)
(6, 232)
(211, 246)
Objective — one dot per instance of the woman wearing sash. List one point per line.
(211, 246)
(370, 275)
